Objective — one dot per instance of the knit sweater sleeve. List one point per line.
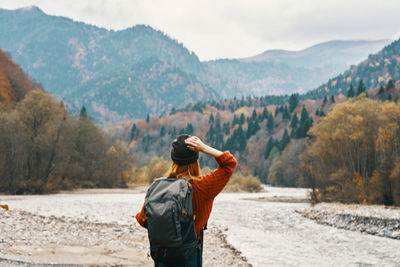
(212, 184)
(141, 218)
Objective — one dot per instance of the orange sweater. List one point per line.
(205, 190)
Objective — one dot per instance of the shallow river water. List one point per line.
(267, 233)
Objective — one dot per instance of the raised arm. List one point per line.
(212, 184)
(194, 143)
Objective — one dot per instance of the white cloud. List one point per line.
(237, 28)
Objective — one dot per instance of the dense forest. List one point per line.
(274, 139)
(255, 129)
(43, 149)
(345, 147)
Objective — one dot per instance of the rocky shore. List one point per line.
(29, 239)
(371, 219)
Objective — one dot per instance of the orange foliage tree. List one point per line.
(354, 152)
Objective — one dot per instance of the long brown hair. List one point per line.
(191, 170)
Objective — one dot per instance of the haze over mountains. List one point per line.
(127, 74)
(375, 71)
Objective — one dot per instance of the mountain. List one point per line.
(143, 92)
(78, 62)
(14, 83)
(67, 56)
(285, 72)
(375, 71)
(344, 52)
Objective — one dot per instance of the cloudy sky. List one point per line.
(237, 28)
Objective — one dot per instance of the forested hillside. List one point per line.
(43, 149)
(255, 129)
(284, 72)
(143, 92)
(14, 84)
(78, 62)
(373, 72)
(70, 58)
(272, 140)
(354, 155)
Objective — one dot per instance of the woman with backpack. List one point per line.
(202, 190)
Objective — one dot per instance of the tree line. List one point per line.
(279, 144)
(43, 149)
(354, 153)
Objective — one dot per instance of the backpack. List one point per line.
(170, 220)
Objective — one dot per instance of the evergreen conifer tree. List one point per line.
(83, 113)
(226, 128)
(264, 114)
(133, 132)
(252, 128)
(234, 120)
(241, 139)
(350, 92)
(189, 129)
(217, 127)
(148, 118)
(325, 101)
(305, 124)
(162, 131)
(242, 119)
(361, 88)
(269, 147)
(210, 133)
(173, 132)
(286, 114)
(304, 115)
(254, 115)
(231, 107)
(294, 122)
(270, 123)
(249, 102)
(381, 90)
(284, 141)
(390, 85)
(293, 102)
(211, 119)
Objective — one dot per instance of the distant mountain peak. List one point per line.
(30, 9)
(324, 46)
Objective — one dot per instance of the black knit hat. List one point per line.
(180, 153)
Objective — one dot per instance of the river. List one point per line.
(267, 233)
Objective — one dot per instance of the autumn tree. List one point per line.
(356, 146)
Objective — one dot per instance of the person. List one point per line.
(184, 154)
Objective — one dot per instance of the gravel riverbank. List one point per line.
(53, 237)
(97, 227)
(371, 219)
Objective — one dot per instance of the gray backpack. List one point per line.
(170, 220)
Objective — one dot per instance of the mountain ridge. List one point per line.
(67, 55)
(282, 53)
(375, 71)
